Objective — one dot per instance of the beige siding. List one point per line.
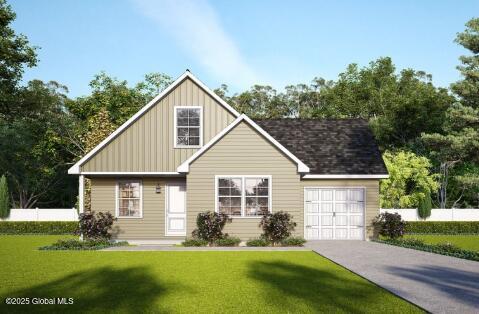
(151, 226)
(147, 145)
(244, 152)
(372, 195)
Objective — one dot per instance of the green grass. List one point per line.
(466, 242)
(213, 282)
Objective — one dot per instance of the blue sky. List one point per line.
(238, 43)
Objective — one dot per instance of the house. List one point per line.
(188, 151)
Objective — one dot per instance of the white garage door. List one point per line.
(334, 213)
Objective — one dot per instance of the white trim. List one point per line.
(243, 196)
(81, 194)
(126, 173)
(336, 187)
(75, 169)
(169, 233)
(175, 144)
(345, 176)
(185, 166)
(117, 200)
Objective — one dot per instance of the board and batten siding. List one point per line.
(147, 145)
(151, 226)
(243, 151)
(372, 195)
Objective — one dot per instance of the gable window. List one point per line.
(188, 126)
(243, 196)
(129, 199)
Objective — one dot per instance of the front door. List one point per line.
(175, 209)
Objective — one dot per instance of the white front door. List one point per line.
(334, 213)
(175, 209)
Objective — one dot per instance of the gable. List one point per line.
(146, 144)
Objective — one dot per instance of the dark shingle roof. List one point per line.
(333, 146)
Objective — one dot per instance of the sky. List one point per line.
(238, 43)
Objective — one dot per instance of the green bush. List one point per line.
(442, 248)
(96, 225)
(257, 242)
(425, 205)
(293, 241)
(4, 198)
(277, 227)
(38, 227)
(75, 244)
(228, 241)
(210, 226)
(194, 242)
(443, 227)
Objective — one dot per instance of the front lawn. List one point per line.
(215, 282)
(465, 242)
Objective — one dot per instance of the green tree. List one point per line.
(15, 55)
(425, 206)
(4, 198)
(409, 180)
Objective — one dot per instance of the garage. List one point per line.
(334, 213)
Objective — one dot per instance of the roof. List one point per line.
(329, 147)
(75, 169)
(184, 167)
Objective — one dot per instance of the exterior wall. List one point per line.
(243, 151)
(372, 195)
(148, 144)
(151, 226)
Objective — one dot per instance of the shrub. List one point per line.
(424, 208)
(194, 242)
(38, 227)
(293, 241)
(443, 248)
(276, 227)
(96, 225)
(389, 225)
(257, 242)
(4, 198)
(443, 227)
(228, 241)
(75, 244)
(210, 226)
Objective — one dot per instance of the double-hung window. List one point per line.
(243, 196)
(129, 199)
(188, 126)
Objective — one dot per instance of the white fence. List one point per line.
(437, 214)
(43, 214)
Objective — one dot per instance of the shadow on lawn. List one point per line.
(322, 290)
(462, 285)
(101, 290)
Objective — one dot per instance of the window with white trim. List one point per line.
(129, 199)
(243, 196)
(188, 126)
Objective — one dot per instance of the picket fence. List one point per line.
(43, 214)
(437, 214)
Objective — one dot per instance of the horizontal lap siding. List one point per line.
(372, 195)
(151, 226)
(148, 144)
(243, 152)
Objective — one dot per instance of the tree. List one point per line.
(15, 54)
(4, 198)
(425, 206)
(409, 180)
(468, 88)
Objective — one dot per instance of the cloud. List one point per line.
(196, 27)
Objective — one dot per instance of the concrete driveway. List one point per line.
(437, 283)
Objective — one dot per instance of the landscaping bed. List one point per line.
(76, 244)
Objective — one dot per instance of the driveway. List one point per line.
(437, 283)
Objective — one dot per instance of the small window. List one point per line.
(243, 196)
(129, 199)
(188, 126)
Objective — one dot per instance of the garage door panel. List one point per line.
(334, 213)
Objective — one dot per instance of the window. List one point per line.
(129, 199)
(243, 196)
(188, 126)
